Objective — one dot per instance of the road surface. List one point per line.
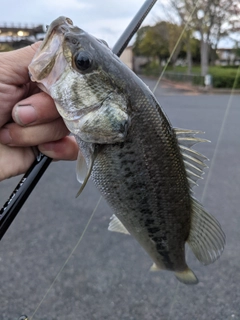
(107, 277)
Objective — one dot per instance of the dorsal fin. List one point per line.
(186, 132)
(206, 237)
(193, 160)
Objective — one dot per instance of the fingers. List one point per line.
(64, 149)
(14, 161)
(17, 160)
(9, 95)
(15, 135)
(16, 63)
(36, 109)
(14, 79)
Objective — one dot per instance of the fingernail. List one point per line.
(25, 114)
(5, 137)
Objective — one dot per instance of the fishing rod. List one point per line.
(26, 185)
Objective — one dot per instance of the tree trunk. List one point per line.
(189, 62)
(189, 55)
(204, 57)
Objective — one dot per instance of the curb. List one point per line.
(189, 87)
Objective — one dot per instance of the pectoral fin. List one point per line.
(84, 170)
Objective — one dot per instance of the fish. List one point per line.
(143, 167)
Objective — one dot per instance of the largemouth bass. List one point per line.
(144, 168)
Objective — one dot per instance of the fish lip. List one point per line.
(49, 50)
(60, 25)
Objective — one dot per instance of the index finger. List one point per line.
(14, 79)
(16, 63)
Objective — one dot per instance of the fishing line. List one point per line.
(221, 133)
(154, 89)
(68, 258)
(211, 167)
(118, 48)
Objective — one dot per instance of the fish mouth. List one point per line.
(50, 51)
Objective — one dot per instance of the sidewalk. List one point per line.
(186, 86)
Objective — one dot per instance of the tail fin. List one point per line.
(187, 277)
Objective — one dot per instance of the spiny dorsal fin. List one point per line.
(193, 153)
(206, 237)
(187, 137)
(116, 225)
(193, 167)
(193, 160)
(190, 141)
(186, 132)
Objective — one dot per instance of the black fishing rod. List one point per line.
(20, 194)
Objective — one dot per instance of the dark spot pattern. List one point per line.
(144, 179)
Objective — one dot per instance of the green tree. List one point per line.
(212, 19)
(152, 42)
(158, 41)
(5, 47)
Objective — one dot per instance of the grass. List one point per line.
(222, 76)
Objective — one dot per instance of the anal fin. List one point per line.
(116, 225)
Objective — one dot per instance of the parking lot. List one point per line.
(107, 276)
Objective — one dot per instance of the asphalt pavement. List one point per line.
(107, 276)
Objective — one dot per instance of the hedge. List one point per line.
(222, 76)
(225, 78)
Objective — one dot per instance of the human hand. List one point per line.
(28, 118)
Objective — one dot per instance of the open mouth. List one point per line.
(46, 56)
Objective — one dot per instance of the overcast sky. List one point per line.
(105, 19)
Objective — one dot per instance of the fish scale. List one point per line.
(143, 167)
(155, 212)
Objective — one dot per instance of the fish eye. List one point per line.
(83, 60)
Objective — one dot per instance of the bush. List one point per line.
(222, 76)
(198, 81)
(152, 69)
(225, 78)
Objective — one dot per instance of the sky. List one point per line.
(105, 19)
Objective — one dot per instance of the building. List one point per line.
(227, 56)
(127, 57)
(14, 36)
